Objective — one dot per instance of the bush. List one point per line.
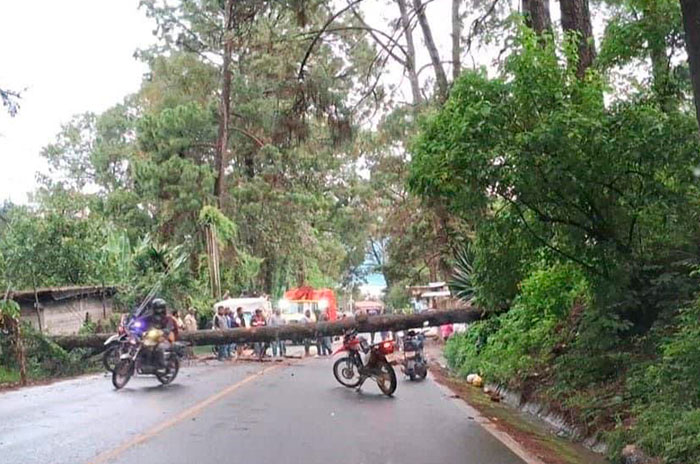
(670, 432)
(509, 347)
(666, 392)
(44, 358)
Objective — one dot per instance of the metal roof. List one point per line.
(61, 293)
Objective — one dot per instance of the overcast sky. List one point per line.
(74, 56)
(71, 56)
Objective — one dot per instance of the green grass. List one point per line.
(200, 350)
(8, 375)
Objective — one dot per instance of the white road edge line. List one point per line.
(488, 425)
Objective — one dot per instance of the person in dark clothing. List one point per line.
(221, 323)
(258, 320)
(307, 343)
(160, 320)
(326, 341)
(240, 319)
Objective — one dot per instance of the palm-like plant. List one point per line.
(461, 282)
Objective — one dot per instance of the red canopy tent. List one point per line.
(308, 294)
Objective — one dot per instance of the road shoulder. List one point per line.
(526, 436)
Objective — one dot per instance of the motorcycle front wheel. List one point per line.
(346, 372)
(122, 373)
(110, 357)
(173, 367)
(386, 379)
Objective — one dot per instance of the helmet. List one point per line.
(158, 305)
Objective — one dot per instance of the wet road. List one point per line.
(241, 412)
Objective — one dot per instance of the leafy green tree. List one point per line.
(607, 188)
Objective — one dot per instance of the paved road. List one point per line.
(241, 412)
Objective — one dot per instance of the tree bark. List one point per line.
(456, 39)
(224, 105)
(297, 331)
(440, 76)
(576, 18)
(411, 53)
(537, 15)
(36, 305)
(21, 354)
(691, 23)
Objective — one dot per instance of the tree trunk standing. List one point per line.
(36, 305)
(456, 39)
(691, 23)
(576, 17)
(411, 53)
(440, 76)
(224, 105)
(537, 15)
(102, 300)
(661, 79)
(21, 357)
(213, 258)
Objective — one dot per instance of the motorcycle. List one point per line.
(351, 371)
(140, 358)
(117, 344)
(414, 364)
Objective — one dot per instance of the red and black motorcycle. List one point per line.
(351, 371)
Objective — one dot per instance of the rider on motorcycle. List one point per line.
(159, 319)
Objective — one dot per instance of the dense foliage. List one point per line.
(584, 211)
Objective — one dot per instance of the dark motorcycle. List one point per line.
(140, 357)
(350, 371)
(414, 364)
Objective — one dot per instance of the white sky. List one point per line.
(74, 56)
(71, 56)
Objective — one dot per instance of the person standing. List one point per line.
(306, 319)
(276, 320)
(326, 342)
(221, 323)
(178, 320)
(240, 323)
(232, 324)
(240, 318)
(258, 320)
(190, 321)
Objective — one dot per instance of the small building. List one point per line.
(370, 308)
(434, 296)
(63, 310)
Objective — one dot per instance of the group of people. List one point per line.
(188, 323)
(227, 318)
(323, 343)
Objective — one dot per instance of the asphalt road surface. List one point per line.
(241, 412)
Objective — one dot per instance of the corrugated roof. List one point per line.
(60, 293)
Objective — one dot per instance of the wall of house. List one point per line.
(65, 317)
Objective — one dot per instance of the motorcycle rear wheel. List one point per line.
(387, 379)
(122, 373)
(171, 371)
(346, 372)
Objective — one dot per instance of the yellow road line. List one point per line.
(186, 414)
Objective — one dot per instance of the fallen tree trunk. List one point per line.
(297, 331)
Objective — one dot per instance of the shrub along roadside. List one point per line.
(44, 359)
(643, 389)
